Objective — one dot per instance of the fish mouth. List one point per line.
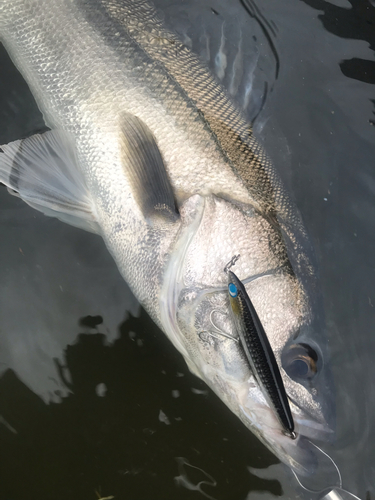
(297, 453)
(311, 428)
(301, 454)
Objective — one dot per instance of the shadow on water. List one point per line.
(132, 413)
(355, 20)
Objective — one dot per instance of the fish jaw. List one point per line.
(195, 312)
(248, 402)
(236, 386)
(221, 363)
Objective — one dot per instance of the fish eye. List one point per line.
(300, 361)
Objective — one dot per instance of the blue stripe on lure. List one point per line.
(259, 352)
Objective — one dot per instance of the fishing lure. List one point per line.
(258, 351)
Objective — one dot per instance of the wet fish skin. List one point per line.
(90, 64)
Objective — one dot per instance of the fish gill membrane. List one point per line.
(148, 149)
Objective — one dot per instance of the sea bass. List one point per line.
(147, 149)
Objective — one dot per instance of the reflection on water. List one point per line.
(329, 133)
(131, 412)
(355, 19)
(88, 408)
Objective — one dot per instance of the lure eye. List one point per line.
(233, 291)
(300, 361)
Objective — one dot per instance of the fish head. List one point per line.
(197, 317)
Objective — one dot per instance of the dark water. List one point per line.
(94, 401)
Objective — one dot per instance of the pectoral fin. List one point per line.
(145, 170)
(44, 172)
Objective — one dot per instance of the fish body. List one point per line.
(147, 149)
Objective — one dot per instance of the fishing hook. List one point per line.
(231, 263)
(217, 329)
(226, 335)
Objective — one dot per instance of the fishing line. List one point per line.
(334, 464)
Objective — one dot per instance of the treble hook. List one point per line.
(217, 329)
(226, 335)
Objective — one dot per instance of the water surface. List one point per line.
(94, 400)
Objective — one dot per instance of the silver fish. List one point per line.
(148, 149)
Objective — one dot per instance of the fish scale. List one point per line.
(166, 169)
